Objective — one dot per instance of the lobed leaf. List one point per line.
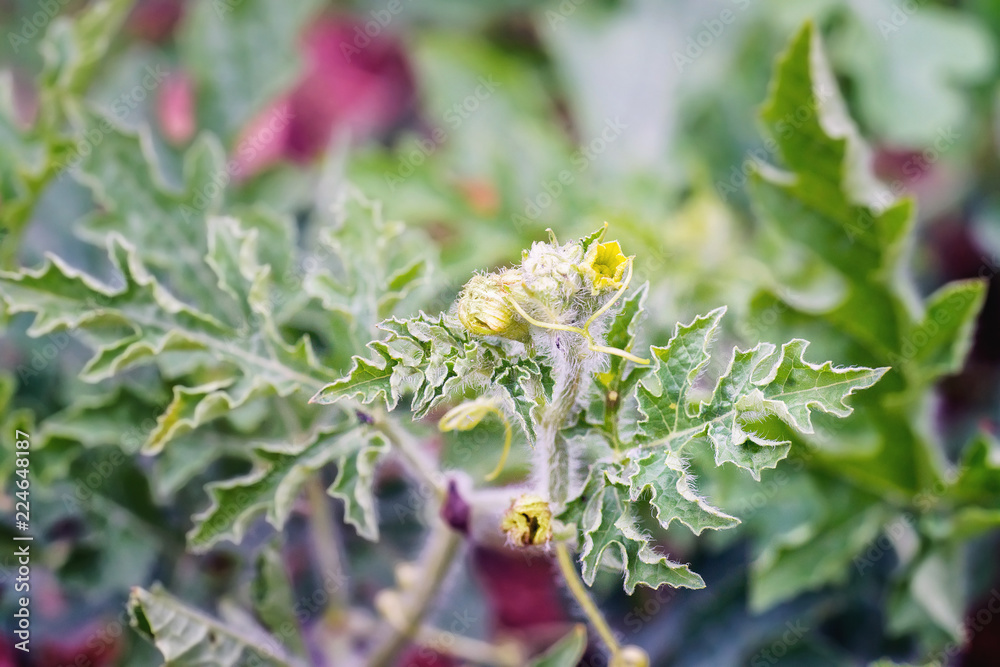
(141, 321)
(609, 523)
(433, 359)
(671, 492)
(355, 482)
(188, 637)
(280, 471)
(757, 385)
(827, 200)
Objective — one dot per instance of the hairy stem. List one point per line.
(443, 548)
(556, 461)
(568, 569)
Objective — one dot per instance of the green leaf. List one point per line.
(355, 482)
(521, 385)
(671, 492)
(663, 393)
(566, 652)
(25, 167)
(609, 523)
(141, 321)
(30, 157)
(940, 342)
(73, 47)
(593, 237)
(104, 419)
(166, 226)
(188, 637)
(611, 389)
(625, 325)
(220, 45)
(930, 601)
(827, 201)
(759, 384)
(377, 262)
(272, 486)
(232, 256)
(191, 456)
(816, 554)
(273, 599)
(978, 481)
(367, 381)
(622, 334)
(400, 284)
(192, 407)
(12, 420)
(831, 202)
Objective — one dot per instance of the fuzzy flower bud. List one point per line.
(484, 310)
(528, 522)
(550, 273)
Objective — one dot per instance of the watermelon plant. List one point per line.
(265, 422)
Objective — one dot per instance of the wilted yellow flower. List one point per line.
(605, 266)
(528, 522)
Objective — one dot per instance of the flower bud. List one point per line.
(630, 656)
(484, 310)
(550, 273)
(528, 522)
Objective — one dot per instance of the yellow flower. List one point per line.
(528, 522)
(484, 310)
(605, 266)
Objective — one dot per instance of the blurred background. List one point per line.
(481, 125)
